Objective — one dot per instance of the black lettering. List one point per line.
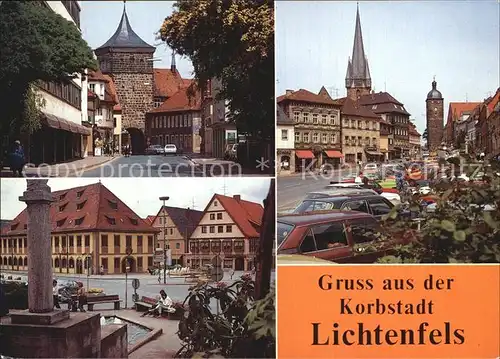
(345, 339)
(316, 335)
(409, 284)
(387, 284)
(344, 306)
(435, 336)
(335, 333)
(421, 332)
(378, 335)
(369, 284)
(459, 335)
(428, 283)
(322, 284)
(361, 335)
(405, 333)
(389, 335)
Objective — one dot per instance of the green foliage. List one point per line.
(37, 44)
(241, 327)
(233, 41)
(463, 228)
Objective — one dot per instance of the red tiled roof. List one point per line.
(111, 88)
(185, 219)
(97, 211)
(412, 130)
(457, 109)
(167, 82)
(306, 96)
(492, 101)
(97, 76)
(354, 108)
(247, 215)
(150, 219)
(180, 101)
(377, 98)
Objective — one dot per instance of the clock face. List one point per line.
(435, 109)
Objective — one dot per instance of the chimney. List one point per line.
(289, 92)
(173, 67)
(237, 197)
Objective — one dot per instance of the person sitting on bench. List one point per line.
(164, 304)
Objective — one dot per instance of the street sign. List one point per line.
(169, 257)
(159, 258)
(135, 283)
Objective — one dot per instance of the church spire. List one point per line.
(358, 71)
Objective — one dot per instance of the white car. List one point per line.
(170, 150)
(371, 167)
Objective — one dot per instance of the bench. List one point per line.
(145, 303)
(96, 299)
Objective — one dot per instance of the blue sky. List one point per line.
(100, 19)
(406, 43)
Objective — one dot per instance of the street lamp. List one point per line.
(164, 199)
(127, 269)
(88, 261)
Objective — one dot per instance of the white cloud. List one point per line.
(141, 194)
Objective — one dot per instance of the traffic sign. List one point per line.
(135, 283)
(159, 258)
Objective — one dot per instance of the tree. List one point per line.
(37, 44)
(425, 136)
(232, 40)
(463, 228)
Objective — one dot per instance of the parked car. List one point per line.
(373, 204)
(154, 150)
(170, 149)
(342, 237)
(373, 185)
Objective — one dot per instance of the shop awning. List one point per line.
(334, 154)
(304, 154)
(65, 125)
(374, 153)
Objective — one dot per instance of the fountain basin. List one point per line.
(137, 334)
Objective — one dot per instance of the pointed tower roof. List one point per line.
(125, 37)
(357, 67)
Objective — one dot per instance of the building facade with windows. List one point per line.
(63, 135)
(316, 120)
(177, 121)
(285, 143)
(176, 226)
(103, 105)
(91, 230)
(228, 233)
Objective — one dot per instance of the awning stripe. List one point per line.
(304, 154)
(334, 154)
(65, 125)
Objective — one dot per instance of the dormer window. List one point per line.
(374, 107)
(61, 208)
(134, 221)
(79, 221)
(25, 226)
(111, 220)
(113, 204)
(14, 226)
(81, 205)
(79, 194)
(60, 222)
(62, 196)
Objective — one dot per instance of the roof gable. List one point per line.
(86, 208)
(245, 214)
(303, 95)
(167, 82)
(180, 101)
(185, 219)
(354, 108)
(457, 109)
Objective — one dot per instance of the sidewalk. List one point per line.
(218, 167)
(66, 169)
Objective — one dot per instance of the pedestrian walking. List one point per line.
(231, 273)
(82, 297)
(17, 159)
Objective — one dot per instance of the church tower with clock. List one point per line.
(357, 80)
(434, 117)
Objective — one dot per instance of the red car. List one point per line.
(338, 236)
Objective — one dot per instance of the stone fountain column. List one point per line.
(38, 198)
